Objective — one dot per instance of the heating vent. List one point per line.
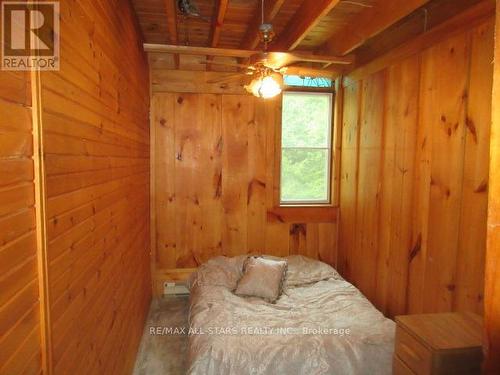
(175, 288)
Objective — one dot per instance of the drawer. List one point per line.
(400, 368)
(412, 353)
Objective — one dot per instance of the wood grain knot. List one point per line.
(416, 248)
(482, 188)
(472, 128)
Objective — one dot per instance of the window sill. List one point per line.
(302, 214)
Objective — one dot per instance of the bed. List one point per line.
(321, 324)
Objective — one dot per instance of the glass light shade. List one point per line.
(269, 88)
(265, 87)
(254, 87)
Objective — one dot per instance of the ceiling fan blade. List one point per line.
(229, 78)
(307, 57)
(309, 72)
(277, 60)
(212, 62)
(191, 50)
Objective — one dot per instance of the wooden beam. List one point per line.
(217, 24)
(307, 16)
(416, 23)
(464, 21)
(369, 23)
(172, 27)
(271, 9)
(492, 282)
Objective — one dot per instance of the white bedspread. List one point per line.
(320, 325)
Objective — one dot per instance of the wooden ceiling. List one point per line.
(242, 17)
(335, 27)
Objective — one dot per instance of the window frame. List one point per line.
(330, 155)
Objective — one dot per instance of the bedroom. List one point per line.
(352, 143)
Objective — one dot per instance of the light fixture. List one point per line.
(267, 85)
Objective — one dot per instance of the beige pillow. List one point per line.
(262, 278)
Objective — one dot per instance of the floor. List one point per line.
(164, 351)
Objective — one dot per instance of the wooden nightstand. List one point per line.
(448, 343)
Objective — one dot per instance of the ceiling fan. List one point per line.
(266, 68)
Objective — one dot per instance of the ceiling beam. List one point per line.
(470, 18)
(369, 23)
(217, 23)
(172, 27)
(306, 17)
(271, 9)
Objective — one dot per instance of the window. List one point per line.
(306, 148)
(312, 82)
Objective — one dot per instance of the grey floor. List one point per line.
(164, 352)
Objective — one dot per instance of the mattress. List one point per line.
(321, 324)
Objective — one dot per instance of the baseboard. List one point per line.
(174, 275)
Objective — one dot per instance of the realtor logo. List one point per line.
(30, 35)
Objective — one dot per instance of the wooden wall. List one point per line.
(92, 198)
(20, 334)
(214, 179)
(492, 287)
(414, 173)
(96, 146)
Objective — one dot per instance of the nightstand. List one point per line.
(448, 343)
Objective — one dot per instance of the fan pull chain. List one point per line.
(426, 19)
(262, 10)
(263, 21)
(186, 30)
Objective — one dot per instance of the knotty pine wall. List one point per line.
(414, 174)
(96, 146)
(89, 235)
(20, 334)
(492, 279)
(92, 197)
(214, 184)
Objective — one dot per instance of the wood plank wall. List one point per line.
(492, 287)
(20, 337)
(414, 176)
(96, 146)
(214, 173)
(93, 120)
(94, 123)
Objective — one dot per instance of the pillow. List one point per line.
(219, 271)
(302, 271)
(262, 278)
